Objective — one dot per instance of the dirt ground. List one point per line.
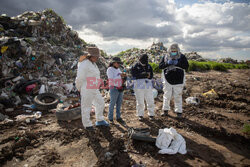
(212, 130)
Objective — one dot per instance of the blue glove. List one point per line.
(175, 62)
(172, 62)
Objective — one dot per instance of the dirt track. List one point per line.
(212, 131)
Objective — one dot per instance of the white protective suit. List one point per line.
(173, 77)
(144, 90)
(170, 142)
(89, 95)
(172, 90)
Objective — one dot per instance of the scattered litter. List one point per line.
(108, 156)
(9, 109)
(210, 94)
(28, 118)
(193, 100)
(42, 89)
(7, 121)
(28, 106)
(3, 117)
(28, 111)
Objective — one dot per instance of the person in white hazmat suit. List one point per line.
(174, 64)
(87, 78)
(142, 73)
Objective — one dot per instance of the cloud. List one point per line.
(204, 26)
(113, 46)
(213, 26)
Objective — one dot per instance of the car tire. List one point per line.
(41, 105)
(68, 115)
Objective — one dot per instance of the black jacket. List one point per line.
(175, 76)
(141, 72)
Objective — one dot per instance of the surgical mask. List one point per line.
(173, 53)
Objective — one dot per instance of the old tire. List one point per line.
(141, 134)
(71, 114)
(143, 138)
(46, 101)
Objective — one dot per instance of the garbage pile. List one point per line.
(194, 56)
(155, 52)
(38, 54)
(228, 60)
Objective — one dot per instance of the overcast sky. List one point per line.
(213, 28)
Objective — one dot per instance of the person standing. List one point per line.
(142, 73)
(116, 81)
(174, 64)
(86, 82)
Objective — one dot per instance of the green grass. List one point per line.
(211, 65)
(246, 129)
(206, 66)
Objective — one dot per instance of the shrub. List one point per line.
(218, 66)
(246, 129)
(211, 65)
(198, 66)
(155, 67)
(241, 66)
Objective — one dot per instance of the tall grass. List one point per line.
(206, 66)
(211, 65)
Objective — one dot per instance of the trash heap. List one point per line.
(38, 51)
(194, 56)
(155, 52)
(228, 60)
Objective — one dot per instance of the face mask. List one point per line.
(173, 53)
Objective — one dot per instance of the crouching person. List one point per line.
(116, 80)
(87, 78)
(173, 75)
(142, 72)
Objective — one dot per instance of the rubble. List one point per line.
(37, 49)
(3, 117)
(194, 56)
(155, 52)
(29, 118)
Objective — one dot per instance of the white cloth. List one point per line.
(169, 91)
(115, 76)
(89, 95)
(170, 142)
(147, 94)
